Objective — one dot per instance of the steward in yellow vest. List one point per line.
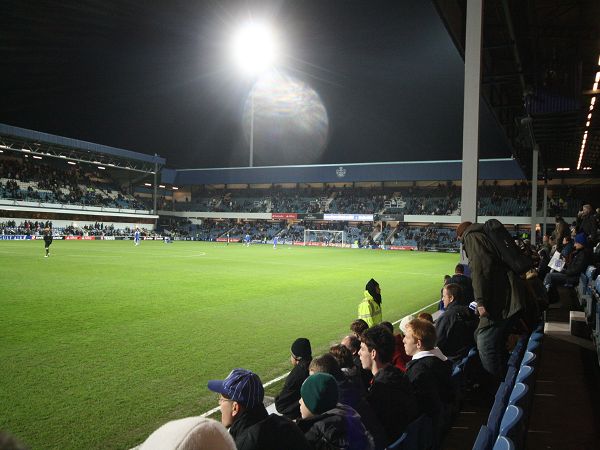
(369, 309)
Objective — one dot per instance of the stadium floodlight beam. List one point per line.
(254, 50)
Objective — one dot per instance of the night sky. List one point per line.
(155, 77)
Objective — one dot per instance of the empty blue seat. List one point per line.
(500, 403)
(528, 359)
(484, 439)
(533, 346)
(518, 395)
(524, 375)
(536, 336)
(418, 435)
(511, 375)
(512, 424)
(504, 443)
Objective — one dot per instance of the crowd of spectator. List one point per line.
(26, 180)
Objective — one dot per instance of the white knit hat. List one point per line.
(191, 433)
(404, 322)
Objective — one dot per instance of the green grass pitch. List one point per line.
(103, 342)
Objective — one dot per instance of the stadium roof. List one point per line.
(540, 60)
(43, 144)
(494, 169)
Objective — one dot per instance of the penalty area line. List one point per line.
(281, 377)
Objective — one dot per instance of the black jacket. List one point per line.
(255, 429)
(580, 260)
(393, 400)
(337, 429)
(467, 287)
(353, 395)
(430, 378)
(286, 402)
(455, 329)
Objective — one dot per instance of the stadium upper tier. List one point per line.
(23, 179)
(441, 199)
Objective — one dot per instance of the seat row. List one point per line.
(507, 421)
(588, 294)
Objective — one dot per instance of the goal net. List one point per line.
(325, 237)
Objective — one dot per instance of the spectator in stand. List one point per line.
(287, 400)
(197, 433)
(587, 223)
(352, 342)
(351, 393)
(464, 282)
(426, 316)
(326, 423)
(369, 309)
(446, 281)
(580, 259)
(500, 295)
(430, 375)
(243, 412)
(344, 359)
(561, 229)
(358, 327)
(390, 394)
(399, 358)
(455, 328)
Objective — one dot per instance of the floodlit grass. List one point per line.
(103, 342)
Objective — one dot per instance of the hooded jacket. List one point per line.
(497, 288)
(339, 428)
(369, 310)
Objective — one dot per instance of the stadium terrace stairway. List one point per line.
(564, 413)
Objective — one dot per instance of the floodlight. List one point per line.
(254, 48)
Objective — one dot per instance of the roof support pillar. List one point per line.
(534, 189)
(470, 163)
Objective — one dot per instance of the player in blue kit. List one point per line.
(247, 240)
(275, 242)
(136, 236)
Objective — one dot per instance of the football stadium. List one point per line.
(328, 225)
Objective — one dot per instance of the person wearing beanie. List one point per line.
(286, 402)
(191, 433)
(578, 261)
(369, 309)
(241, 397)
(327, 423)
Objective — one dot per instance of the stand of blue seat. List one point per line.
(507, 422)
(588, 294)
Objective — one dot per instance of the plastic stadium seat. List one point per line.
(484, 439)
(504, 443)
(524, 374)
(497, 411)
(528, 359)
(533, 345)
(511, 374)
(518, 395)
(536, 336)
(418, 435)
(511, 425)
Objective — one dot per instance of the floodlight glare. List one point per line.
(254, 48)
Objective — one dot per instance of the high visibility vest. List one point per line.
(369, 310)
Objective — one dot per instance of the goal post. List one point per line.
(325, 237)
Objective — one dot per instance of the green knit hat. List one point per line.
(319, 393)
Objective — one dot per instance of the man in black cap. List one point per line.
(243, 412)
(286, 402)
